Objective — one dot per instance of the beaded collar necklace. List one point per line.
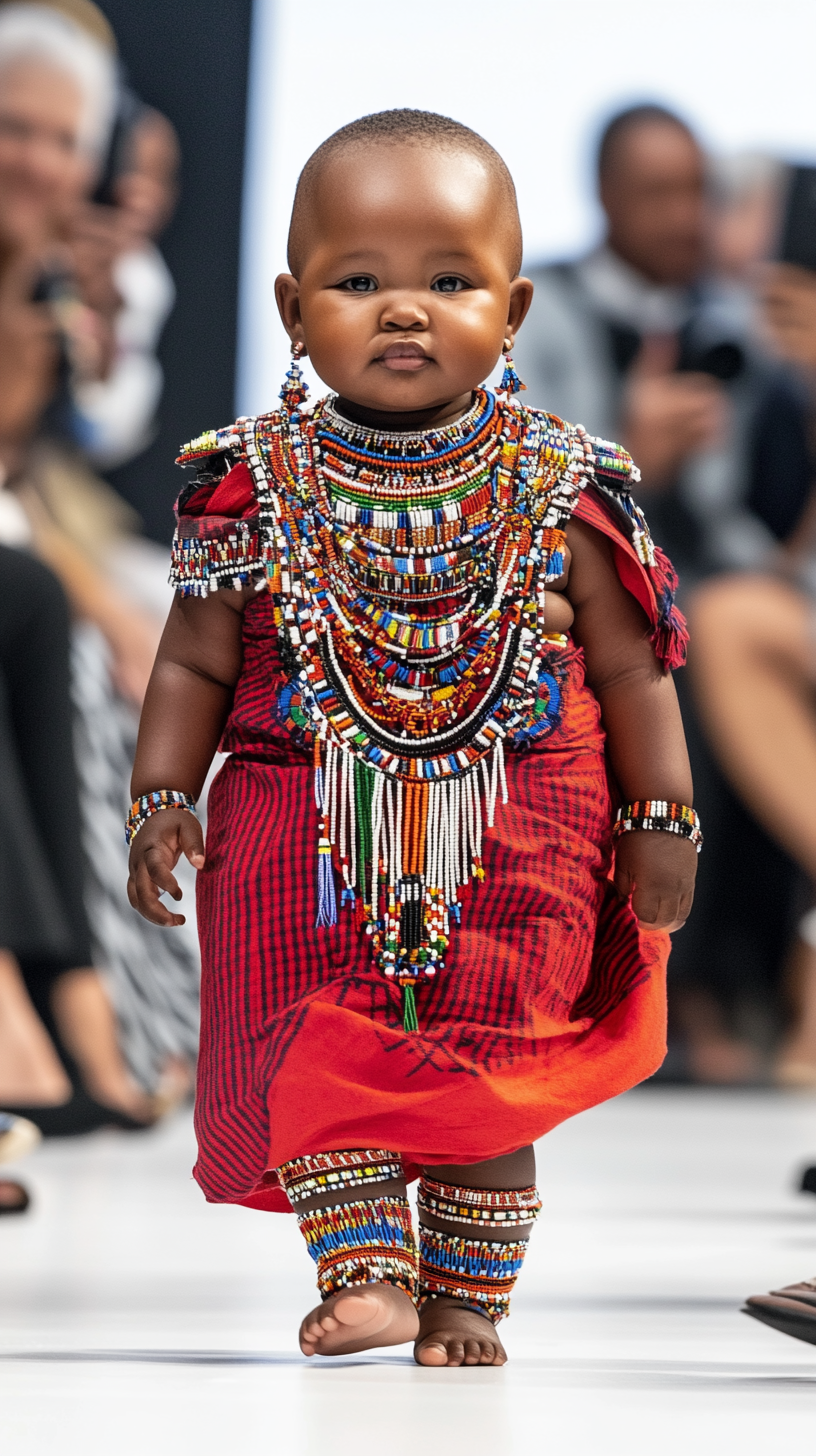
(407, 573)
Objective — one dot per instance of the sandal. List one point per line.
(14, 1197)
(791, 1310)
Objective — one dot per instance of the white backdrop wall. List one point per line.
(536, 77)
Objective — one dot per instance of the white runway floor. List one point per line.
(136, 1321)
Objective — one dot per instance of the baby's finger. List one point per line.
(156, 859)
(191, 840)
(682, 912)
(147, 899)
(647, 905)
(624, 880)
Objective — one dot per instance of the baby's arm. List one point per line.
(188, 699)
(647, 747)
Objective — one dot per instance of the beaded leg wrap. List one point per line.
(480, 1272)
(369, 1241)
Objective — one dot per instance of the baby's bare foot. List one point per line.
(452, 1334)
(359, 1318)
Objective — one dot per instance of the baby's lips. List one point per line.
(403, 356)
(405, 350)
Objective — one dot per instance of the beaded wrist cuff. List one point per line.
(480, 1274)
(370, 1242)
(486, 1207)
(142, 809)
(660, 814)
(333, 1172)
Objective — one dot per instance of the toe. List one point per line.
(327, 1324)
(354, 1310)
(473, 1353)
(431, 1352)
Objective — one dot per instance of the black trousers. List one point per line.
(42, 914)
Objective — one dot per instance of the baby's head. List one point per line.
(405, 249)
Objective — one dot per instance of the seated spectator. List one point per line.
(644, 344)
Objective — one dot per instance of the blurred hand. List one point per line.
(788, 297)
(29, 350)
(133, 637)
(154, 854)
(658, 870)
(97, 239)
(558, 613)
(668, 417)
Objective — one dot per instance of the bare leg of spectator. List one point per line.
(754, 664)
(30, 1070)
(84, 1015)
(754, 667)
(713, 1054)
(796, 1066)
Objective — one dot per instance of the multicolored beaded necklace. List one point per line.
(408, 573)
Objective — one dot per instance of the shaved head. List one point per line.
(420, 129)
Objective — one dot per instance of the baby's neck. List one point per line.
(432, 418)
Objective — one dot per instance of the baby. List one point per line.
(431, 631)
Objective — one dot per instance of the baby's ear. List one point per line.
(287, 297)
(521, 296)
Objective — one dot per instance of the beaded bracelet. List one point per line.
(142, 809)
(660, 814)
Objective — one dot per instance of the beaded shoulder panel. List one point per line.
(212, 442)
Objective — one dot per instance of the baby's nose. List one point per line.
(403, 312)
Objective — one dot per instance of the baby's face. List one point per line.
(405, 291)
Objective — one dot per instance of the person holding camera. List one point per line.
(642, 340)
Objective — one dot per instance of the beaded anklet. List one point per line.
(486, 1207)
(149, 804)
(369, 1242)
(479, 1273)
(659, 814)
(302, 1178)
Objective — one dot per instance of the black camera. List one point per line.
(705, 350)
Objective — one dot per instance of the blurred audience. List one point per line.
(83, 296)
(654, 339)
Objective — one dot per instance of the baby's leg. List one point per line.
(475, 1223)
(354, 1215)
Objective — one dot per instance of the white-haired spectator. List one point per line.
(37, 35)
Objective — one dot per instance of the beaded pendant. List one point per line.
(408, 574)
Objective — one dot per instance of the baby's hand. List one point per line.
(558, 613)
(658, 870)
(154, 855)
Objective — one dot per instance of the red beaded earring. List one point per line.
(294, 392)
(510, 382)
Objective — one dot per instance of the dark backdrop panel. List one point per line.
(189, 58)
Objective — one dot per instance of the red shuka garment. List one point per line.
(551, 1001)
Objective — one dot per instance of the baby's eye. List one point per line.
(449, 284)
(360, 283)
